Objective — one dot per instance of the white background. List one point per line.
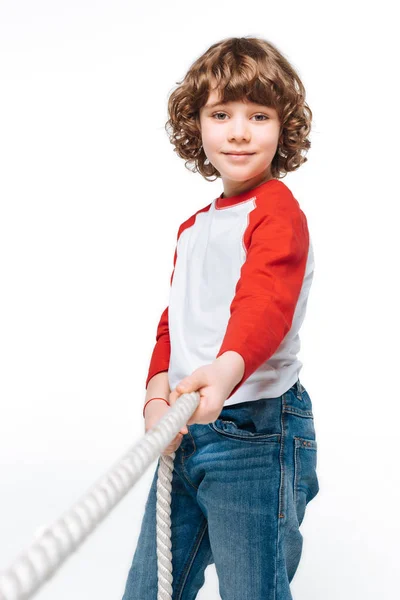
(92, 196)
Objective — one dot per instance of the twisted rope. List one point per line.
(54, 544)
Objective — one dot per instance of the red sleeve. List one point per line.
(162, 349)
(269, 286)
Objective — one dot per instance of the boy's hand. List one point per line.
(153, 413)
(214, 382)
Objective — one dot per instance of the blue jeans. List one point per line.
(240, 488)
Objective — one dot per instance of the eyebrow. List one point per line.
(214, 104)
(220, 103)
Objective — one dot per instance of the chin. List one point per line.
(239, 174)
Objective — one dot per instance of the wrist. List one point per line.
(234, 364)
(152, 401)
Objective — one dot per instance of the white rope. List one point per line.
(56, 543)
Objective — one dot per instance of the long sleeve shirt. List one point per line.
(243, 268)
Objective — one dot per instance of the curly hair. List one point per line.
(249, 68)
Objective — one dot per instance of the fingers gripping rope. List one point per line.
(54, 544)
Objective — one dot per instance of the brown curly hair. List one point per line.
(245, 67)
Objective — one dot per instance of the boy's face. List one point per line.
(239, 127)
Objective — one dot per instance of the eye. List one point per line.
(222, 113)
(218, 113)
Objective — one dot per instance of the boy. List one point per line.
(243, 266)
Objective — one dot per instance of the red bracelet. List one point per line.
(154, 399)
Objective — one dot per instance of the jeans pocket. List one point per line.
(306, 484)
(251, 421)
(230, 429)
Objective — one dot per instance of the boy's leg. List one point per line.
(190, 546)
(258, 477)
(300, 481)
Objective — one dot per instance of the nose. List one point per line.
(239, 129)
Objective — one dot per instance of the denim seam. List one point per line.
(281, 493)
(296, 474)
(281, 458)
(297, 462)
(192, 556)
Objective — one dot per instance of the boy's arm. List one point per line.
(159, 362)
(158, 387)
(234, 366)
(157, 382)
(268, 289)
(162, 350)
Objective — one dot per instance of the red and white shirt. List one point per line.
(243, 268)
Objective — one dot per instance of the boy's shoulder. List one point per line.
(191, 220)
(276, 197)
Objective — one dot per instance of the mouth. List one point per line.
(239, 153)
(239, 157)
